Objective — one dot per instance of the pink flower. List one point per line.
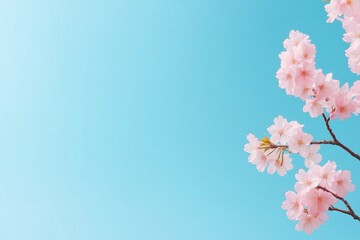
(299, 142)
(310, 222)
(355, 92)
(313, 156)
(355, 89)
(314, 106)
(292, 205)
(353, 53)
(305, 52)
(342, 183)
(303, 91)
(306, 181)
(325, 86)
(344, 105)
(288, 59)
(352, 28)
(336, 8)
(305, 74)
(286, 79)
(350, 7)
(261, 160)
(318, 201)
(350, 10)
(333, 10)
(252, 147)
(280, 130)
(326, 173)
(280, 165)
(295, 38)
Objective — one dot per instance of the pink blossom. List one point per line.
(310, 222)
(260, 160)
(295, 38)
(299, 142)
(325, 86)
(288, 59)
(286, 79)
(337, 8)
(314, 106)
(342, 183)
(350, 7)
(313, 156)
(305, 52)
(280, 165)
(353, 54)
(296, 126)
(293, 205)
(318, 201)
(352, 28)
(333, 10)
(355, 89)
(252, 147)
(326, 173)
(304, 74)
(344, 105)
(350, 10)
(306, 181)
(303, 91)
(355, 92)
(280, 130)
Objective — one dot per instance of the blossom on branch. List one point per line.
(319, 187)
(348, 12)
(317, 190)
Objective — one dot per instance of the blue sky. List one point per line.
(127, 119)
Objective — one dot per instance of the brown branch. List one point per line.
(335, 141)
(324, 142)
(332, 208)
(326, 120)
(350, 212)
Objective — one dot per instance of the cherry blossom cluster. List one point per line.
(300, 78)
(316, 191)
(273, 153)
(320, 187)
(348, 12)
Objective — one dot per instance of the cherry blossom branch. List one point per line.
(331, 142)
(326, 120)
(335, 140)
(332, 208)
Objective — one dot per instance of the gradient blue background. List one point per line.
(127, 119)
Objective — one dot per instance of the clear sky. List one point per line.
(127, 119)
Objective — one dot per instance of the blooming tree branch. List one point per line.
(332, 208)
(335, 140)
(318, 188)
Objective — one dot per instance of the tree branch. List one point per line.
(335, 141)
(332, 208)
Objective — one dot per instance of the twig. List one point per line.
(335, 141)
(332, 208)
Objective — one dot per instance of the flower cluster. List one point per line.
(320, 187)
(348, 12)
(317, 189)
(285, 137)
(299, 77)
